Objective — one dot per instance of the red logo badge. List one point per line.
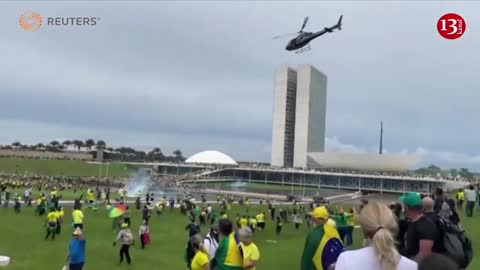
(451, 26)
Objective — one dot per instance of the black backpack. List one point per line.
(456, 243)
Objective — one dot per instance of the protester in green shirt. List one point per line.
(341, 219)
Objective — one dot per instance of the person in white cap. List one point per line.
(125, 237)
(76, 251)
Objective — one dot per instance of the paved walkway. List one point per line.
(254, 195)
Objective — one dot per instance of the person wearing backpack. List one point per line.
(125, 237)
(210, 242)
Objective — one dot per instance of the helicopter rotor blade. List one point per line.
(304, 23)
(286, 35)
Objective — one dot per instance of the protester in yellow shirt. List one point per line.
(261, 221)
(200, 261)
(253, 223)
(243, 222)
(251, 255)
(460, 199)
(59, 213)
(77, 216)
(352, 219)
(90, 196)
(52, 219)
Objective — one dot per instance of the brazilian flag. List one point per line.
(229, 254)
(322, 248)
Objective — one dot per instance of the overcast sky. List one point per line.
(199, 76)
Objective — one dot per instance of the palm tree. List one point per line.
(101, 144)
(157, 154)
(78, 144)
(178, 155)
(67, 143)
(89, 143)
(40, 146)
(16, 144)
(54, 143)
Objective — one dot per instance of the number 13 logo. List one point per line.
(451, 26)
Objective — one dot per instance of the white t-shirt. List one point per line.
(365, 257)
(210, 245)
(470, 195)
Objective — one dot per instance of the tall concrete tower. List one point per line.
(299, 115)
(283, 131)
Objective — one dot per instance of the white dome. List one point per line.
(211, 157)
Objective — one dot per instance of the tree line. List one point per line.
(452, 173)
(89, 145)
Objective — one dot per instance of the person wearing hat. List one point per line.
(323, 244)
(76, 251)
(125, 237)
(423, 235)
(210, 242)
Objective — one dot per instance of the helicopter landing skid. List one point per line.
(304, 49)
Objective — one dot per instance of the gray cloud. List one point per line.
(200, 75)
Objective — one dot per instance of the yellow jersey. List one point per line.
(243, 222)
(253, 223)
(77, 216)
(352, 219)
(52, 217)
(199, 260)
(260, 218)
(250, 253)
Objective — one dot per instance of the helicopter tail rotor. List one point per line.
(340, 23)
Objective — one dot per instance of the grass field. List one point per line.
(52, 167)
(22, 240)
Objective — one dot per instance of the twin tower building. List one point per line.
(299, 115)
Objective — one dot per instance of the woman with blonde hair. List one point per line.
(379, 227)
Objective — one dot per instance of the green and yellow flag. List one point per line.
(322, 248)
(229, 254)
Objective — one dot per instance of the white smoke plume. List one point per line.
(138, 182)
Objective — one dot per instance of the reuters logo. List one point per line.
(30, 21)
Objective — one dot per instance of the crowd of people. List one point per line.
(408, 234)
(38, 182)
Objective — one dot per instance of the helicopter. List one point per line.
(298, 44)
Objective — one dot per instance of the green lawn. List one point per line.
(22, 240)
(52, 167)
